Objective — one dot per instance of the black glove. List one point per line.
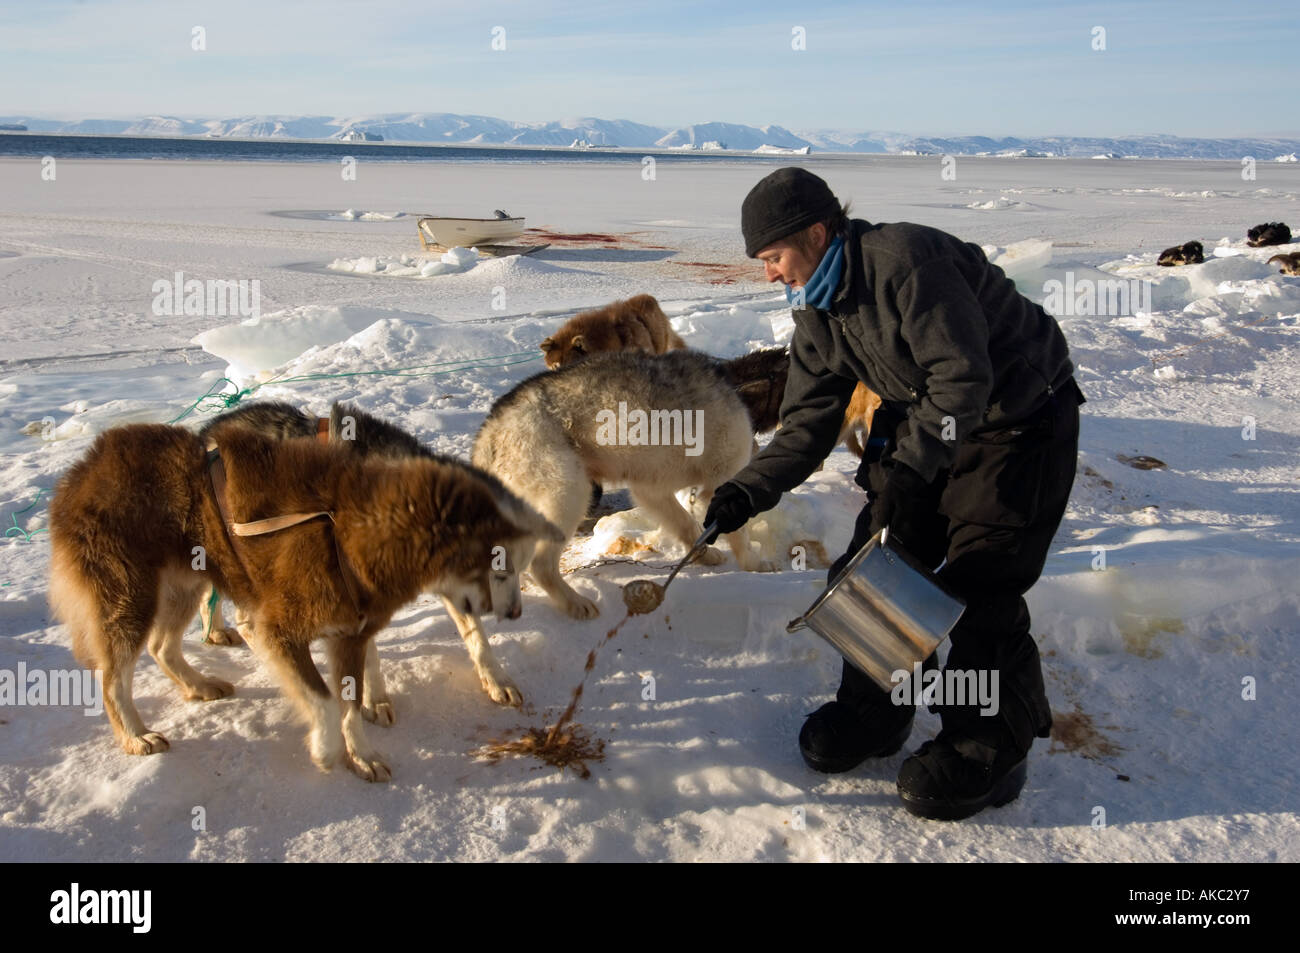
(730, 508)
(901, 504)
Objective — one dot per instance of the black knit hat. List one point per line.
(783, 203)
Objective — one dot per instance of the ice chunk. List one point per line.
(1001, 202)
(727, 332)
(265, 342)
(398, 339)
(1020, 258)
(407, 266)
(1222, 275)
(461, 258)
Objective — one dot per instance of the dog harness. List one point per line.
(273, 524)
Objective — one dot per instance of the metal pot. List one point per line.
(884, 612)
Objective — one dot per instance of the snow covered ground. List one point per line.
(1147, 660)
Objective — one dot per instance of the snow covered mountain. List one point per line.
(744, 138)
(460, 128)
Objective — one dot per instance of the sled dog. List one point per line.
(637, 324)
(312, 540)
(655, 422)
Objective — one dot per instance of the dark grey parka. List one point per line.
(928, 323)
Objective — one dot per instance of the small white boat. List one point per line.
(466, 232)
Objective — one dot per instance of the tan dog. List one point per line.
(355, 431)
(637, 324)
(857, 418)
(138, 535)
(1290, 263)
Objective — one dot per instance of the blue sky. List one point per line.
(1016, 68)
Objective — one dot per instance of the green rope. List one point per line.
(224, 401)
(212, 603)
(218, 399)
(14, 517)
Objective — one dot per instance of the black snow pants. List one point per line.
(990, 521)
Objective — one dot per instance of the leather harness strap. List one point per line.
(217, 474)
(273, 524)
(323, 429)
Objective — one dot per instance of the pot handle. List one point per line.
(794, 625)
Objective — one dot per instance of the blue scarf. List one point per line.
(820, 289)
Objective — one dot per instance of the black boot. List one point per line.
(862, 722)
(979, 760)
(976, 761)
(955, 775)
(836, 738)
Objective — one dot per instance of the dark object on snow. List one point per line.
(1270, 233)
(1141, 462)
(500, 214)
(1189, 253)
(1290, 263)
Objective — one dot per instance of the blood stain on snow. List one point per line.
(720, 273)
(604, 239)
(1075, 732)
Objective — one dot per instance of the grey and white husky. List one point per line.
(655, 422)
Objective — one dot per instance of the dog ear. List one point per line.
(576, 344)
(549, 345)
(339, 413)
(645, 304)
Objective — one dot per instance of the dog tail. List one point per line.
(74, 603)
(90, 577)
(850, 438)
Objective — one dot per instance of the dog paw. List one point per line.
(369, 767)
(502, 690)
(766, 565)
(326, 749)
(210, 690)
(381, 713)
(580, 607)
(711, 557)
(148, 743)
(225, 636)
